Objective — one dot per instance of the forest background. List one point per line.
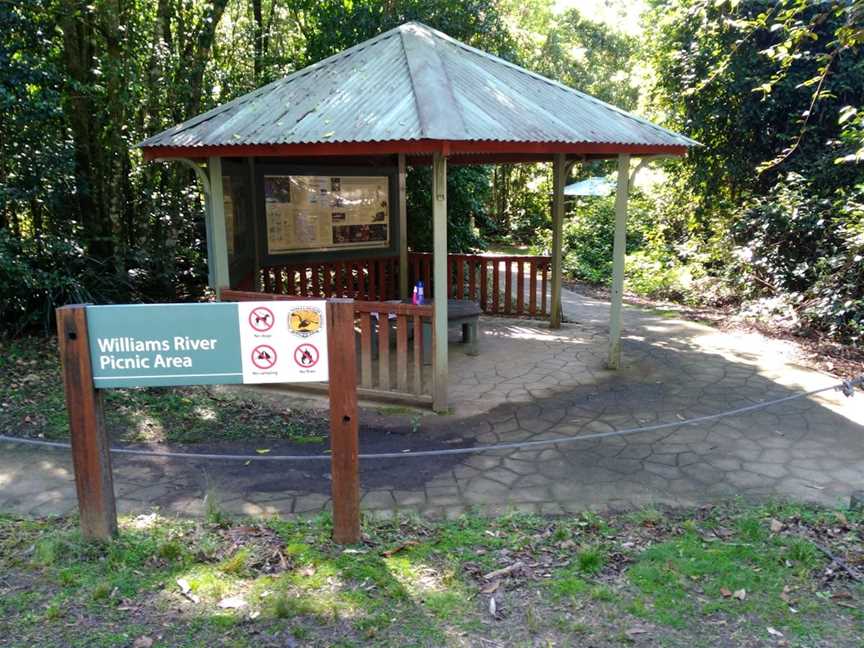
(767, 216)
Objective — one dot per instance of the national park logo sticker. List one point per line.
(304, 321)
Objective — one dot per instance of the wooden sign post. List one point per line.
(90, 455)
(192, 344)
(344, 438)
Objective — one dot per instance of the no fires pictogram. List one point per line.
(306, 355)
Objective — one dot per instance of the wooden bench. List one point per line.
(463, 312)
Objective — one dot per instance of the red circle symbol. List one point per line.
(306, 355)
(264, 356)
(261, 319)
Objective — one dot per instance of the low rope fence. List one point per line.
(846, 387)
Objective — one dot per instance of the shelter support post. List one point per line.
(439, 281)
(618, 251)
(217, 247)
(559, 179)
(91, 456)
(404, 290)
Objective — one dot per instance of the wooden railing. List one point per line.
(393, 360)
(489, 280)
(372, 279)
(502, 285)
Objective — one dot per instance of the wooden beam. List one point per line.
(618, 251)
(218, 247)
(344, 438)
(90, 454)
(411, 147)
(439, 281)
(404, 290)
(559, 179)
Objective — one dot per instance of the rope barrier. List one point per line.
(846, 387)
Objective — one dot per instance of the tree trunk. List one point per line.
(78, 52)
(197, 54)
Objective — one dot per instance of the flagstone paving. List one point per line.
(531, 383)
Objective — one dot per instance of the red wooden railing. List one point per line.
(381, 373)
(368, 279)
(478, 277)
(502, 285)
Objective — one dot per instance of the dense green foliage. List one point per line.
(768, 211)
(774, 198)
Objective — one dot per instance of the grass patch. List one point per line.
(585, 580)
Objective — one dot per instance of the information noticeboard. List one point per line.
(198, 344)
(306, 212)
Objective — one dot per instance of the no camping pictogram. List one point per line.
(261, 319)
(264, 356)
(306, 355)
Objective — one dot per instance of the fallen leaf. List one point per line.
(633, 632)
(725, 592)
(776, 525)
(262, 450)
(505, 571)
(740, 594)
(397, 549)
(490, 587)
(233, 603)
(774, 633)
(183, 584)
(142, 642)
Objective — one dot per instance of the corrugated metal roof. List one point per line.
(414, 83)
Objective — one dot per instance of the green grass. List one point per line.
(32, 404)
(590, 578)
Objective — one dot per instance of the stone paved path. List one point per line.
(533, 383)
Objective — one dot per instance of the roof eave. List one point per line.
(414, 147)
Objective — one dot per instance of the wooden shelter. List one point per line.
(305, 186)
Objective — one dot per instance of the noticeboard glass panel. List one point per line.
(306, 212)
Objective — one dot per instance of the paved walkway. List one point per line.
(533, 383)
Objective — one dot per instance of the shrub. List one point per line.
(797, 244)
(36, 276)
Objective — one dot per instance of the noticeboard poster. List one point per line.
(324, 212)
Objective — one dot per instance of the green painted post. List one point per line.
(219, 243)
(618, 251)
(404, 290)
(559, 177)
(439, 280)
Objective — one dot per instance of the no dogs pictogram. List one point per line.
(261, 319)
(306, 355)
(264, 356)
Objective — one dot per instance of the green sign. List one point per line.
(199, 344)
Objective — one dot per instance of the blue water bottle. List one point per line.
(420, 292)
